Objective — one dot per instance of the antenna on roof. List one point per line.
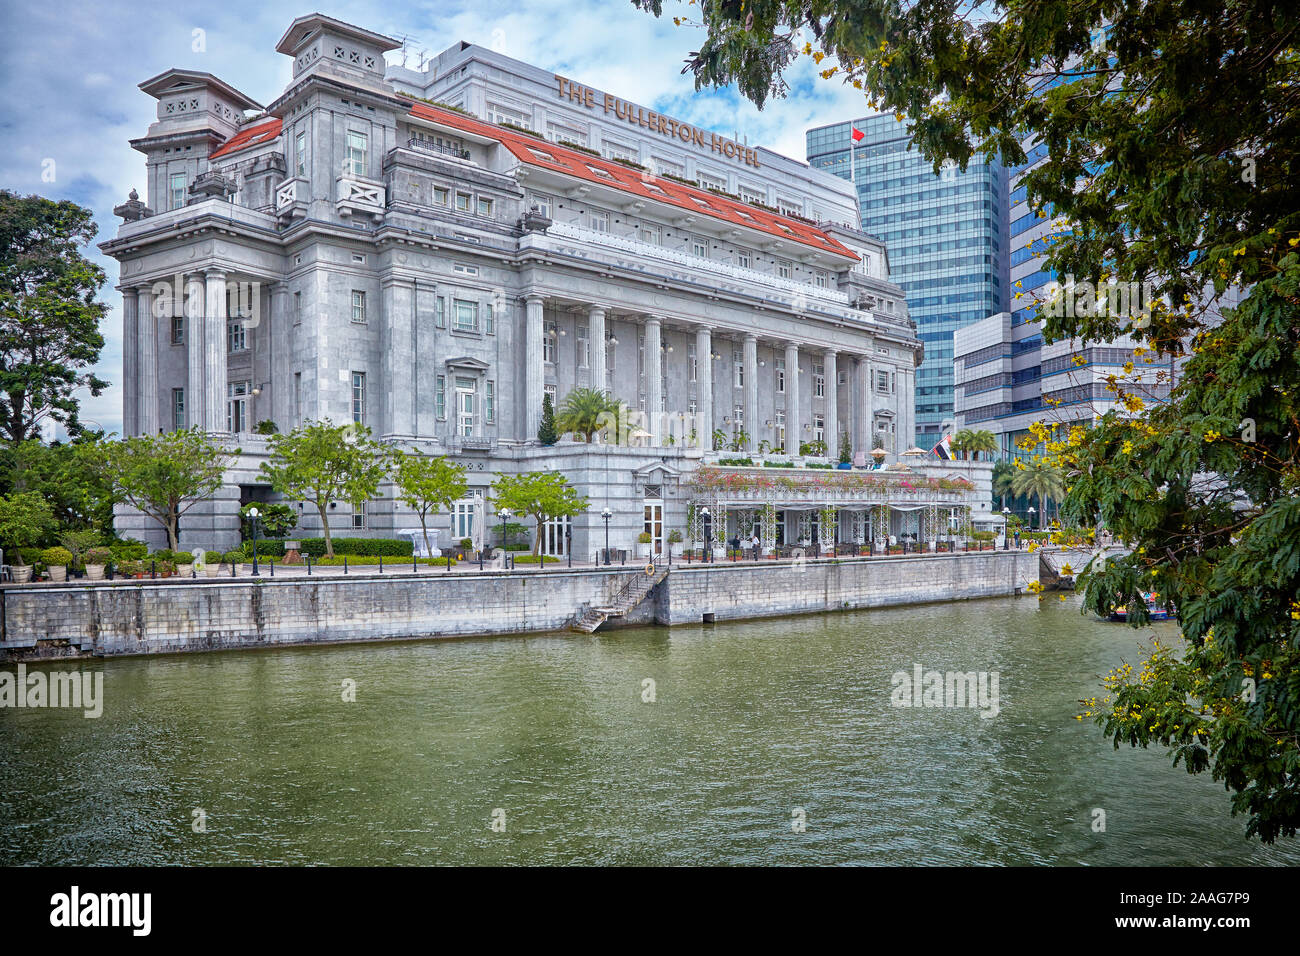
(424, 58)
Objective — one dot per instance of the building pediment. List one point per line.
(466, 362)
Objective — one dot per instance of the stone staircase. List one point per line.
(629, 596)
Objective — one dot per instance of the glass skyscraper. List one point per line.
(947, 237)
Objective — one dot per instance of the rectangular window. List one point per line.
(461, 269)
(178, 409)
(440, 398)
(300, 151)
(466, 316)
(462, 518)
(610, 343)
(490, 402)
(737, 417)
(358, 306)
(465, 402)
(599, 221)
(882, 382)
(819, 381)
(178, 330)
(441, 195)
(177, 190)
(297, 396)
(359, 397)
(695, 364)
(584, 346)
(484, 206)
(462, 202)
(236, 337)
(359, 518)
(819, 428)
(237, 406)
(441, 318)
(700, 247)
(783, 270)
(541, 203)
(780, 376)
(742, 259)
(297, 308)
(357, 148)
(650, 234)
(548, 344)
(820, 280)
(738, 366)
(490, 319)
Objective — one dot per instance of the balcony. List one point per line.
(428, 146)
(291, 198)
(635, 255)
(359, 196)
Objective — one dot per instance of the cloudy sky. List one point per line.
(69, 100)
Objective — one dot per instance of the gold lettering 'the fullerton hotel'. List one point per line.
(656, 122)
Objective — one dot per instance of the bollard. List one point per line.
(309, 565)
(153, 568)
(272, 563)
(449, 562)
(345, 564)
(381, 564)
(414, 569)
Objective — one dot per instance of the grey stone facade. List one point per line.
(355, 252)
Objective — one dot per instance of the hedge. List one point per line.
(536, 559)
(362, 547)
(357, 560)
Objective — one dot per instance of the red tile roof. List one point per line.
(263, 130)
(593, 169)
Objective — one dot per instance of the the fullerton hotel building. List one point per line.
(431, 253)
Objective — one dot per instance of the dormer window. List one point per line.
(542, 154)
(602, 173)
(357, 149)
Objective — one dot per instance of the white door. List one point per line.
(654, 524)
(464, 409)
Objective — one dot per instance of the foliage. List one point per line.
(546, 431)
(740, 440)
(969, 442)
(49, 319)
(536, 559)
(273, 520)
(846, 450)
(1041, 480)
(644, 538)
(127, 549)
(427, 484)
(67, 475)
(1003, 474)
(541, 494)
(360, 547)
(98, 556)
(56, 557)
(736, 462)
(25, 518)
(212, 557)
(80, 542)
(323, 463)
(266, 427)
(584, 412)
(233, 557)
(166, 475)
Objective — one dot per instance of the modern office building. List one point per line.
(946, 234)
(431, 253)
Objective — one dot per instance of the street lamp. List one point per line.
(253, 515)
(505, 514)
(606, 514)
(1006, 528)
(708, 533)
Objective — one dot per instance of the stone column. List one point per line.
(704, 387)
(905, 409)
(147, 349)
(832, 403)
(869, 406)
(793, 421)
(130, 363)
(195, 347)
(534, 367)
(751, 388)
(654, 371)
(397, 301)
(596, 336)
(214, 366)
(280, 379)
(858, 407)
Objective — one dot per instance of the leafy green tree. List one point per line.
(323, 463)
(428, 484)
(584, 412)
(25, 519)
(164, 476)
(1171, 157)
(273, 520)
(1003, 475)
(540, 494)
(546, 433)
(49, 319)
(846, 450)
(70, 477)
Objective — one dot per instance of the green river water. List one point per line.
(752, 722)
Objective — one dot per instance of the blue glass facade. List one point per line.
(947, 236)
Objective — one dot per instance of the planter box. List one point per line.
(22, 573)
(58, 572)
(95, 572)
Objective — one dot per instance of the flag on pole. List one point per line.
(857, 134)
(943, 449)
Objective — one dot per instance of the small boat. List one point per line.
(1155, 610)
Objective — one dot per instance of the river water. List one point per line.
(765, 742)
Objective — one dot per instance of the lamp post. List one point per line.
(1006, 529)
(253, 515)
(1031, 517)
(606, 514)
(505, 514)
(708, 533)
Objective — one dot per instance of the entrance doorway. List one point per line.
(654, 524)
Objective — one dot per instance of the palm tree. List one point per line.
(582, 412)
(959, 442)
(981, 441)
(1042, 481)
(1003, 475)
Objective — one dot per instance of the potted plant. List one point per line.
(96, 559)
(235, 561)
(166, 568)
(674, 537)
(211, 563)
(129, 568)
(56, 561)
(22, 573)
(643, 544)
